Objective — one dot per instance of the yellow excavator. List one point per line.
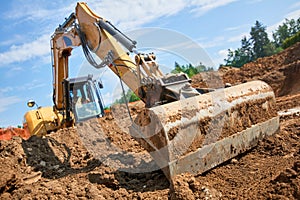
(185, 129)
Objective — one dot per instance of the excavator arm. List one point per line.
(62, 43)
(97, 35)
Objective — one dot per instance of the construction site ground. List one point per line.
(60, 166)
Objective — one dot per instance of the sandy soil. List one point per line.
(63, 166)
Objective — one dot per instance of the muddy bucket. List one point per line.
(196, 134)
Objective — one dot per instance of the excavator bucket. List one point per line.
(198, 133)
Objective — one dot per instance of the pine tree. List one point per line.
(260, 40)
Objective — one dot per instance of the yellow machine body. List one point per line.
(42, 121)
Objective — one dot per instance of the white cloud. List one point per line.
(16, 38)
(223, 53)
(203, 6)
(217, 41)
(6, 89)
(26, 51)
(234, 28)
(38, 10)
(295, 5)
(125, 14)
(254, 1)
(5, 102)
(238, 37)
(219, 57)
(107, 98)
(30, 86)
(25, 87)
(291, 15)
(132, 14)
(237, 28)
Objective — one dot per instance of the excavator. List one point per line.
(184, 129)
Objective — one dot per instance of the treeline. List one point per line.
(259, 45)
(189, 69)
(128, 97)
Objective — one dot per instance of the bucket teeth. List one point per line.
(196, 134)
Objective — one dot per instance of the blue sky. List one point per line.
(213, 25)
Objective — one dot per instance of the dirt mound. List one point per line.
(60, 166)
(287, 102)
(287, 183)
(280, 71)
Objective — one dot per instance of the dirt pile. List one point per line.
(63, 166)
(59, 166)
(280, 71)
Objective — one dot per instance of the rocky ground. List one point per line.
(63, 166)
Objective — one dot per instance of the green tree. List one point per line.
(293, 26)
(289, 28)
(189, 69)
(291, 40)
(259, 44)
(177, 68)
(241, 56)
(281, 33)
(260, 40)
(130, 96)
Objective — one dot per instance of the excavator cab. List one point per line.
(82, 101)
(85, 98)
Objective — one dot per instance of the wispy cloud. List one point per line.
(253, 1)
(5, 102)
(133, 14)
(38, 10)
(291, 15)
(32, 85)
(6, 89)
(203, 6)
(16, 38)
(223, 53)
(217, 41)
(238, 37)
(237, 28)
(130, 14)
(295, 5)
(24, 87)
(26, 51)
(234, 28)
(127, 14)
(13, 72)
